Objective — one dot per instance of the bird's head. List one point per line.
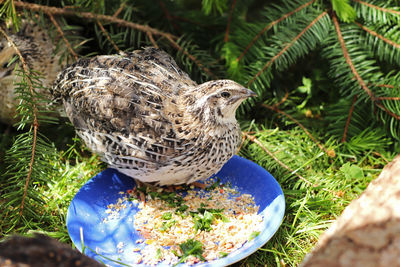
(7, 52)
(218, 100)
(27, 45)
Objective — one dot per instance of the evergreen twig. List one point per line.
(284, 98)
(108, 36)
(269, 63)
(35, 124)
(168, 15)
(270, 25)
(388, 98)
(346, 127)
(88, 15)
(390, 42)
(119, 10)
(92, 16)
(60, 31)
(228, 25)
(378, 7)
(355, 72)
(151, 38)
(193, 58)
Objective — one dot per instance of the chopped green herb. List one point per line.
(181, 208)
(222, 217)
(203, 218)
(142, 189)
(159, 253)
(175, 252)
(203, 222)
(214, 185)
(172, 199)
(166, 225)
(153, 195)
(254, 235)
(166, 216)
(191, 247)
(223, 254)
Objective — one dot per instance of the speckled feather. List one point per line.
(148, 119)
(37, 49)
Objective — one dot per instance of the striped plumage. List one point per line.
(148, 119)
(38, 51)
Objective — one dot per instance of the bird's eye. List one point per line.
(4, 66)
(225, 94)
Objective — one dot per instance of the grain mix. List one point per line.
(192, 225)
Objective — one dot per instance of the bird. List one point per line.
(41, 251)
(148, 119)
(39, 52)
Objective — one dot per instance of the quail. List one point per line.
(38, 51)
(146, 118)
(41, 251)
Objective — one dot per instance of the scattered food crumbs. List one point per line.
(120, 245)
(190, 225)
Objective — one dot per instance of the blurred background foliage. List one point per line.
(325, 122)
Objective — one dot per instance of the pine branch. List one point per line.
(35, 124)
(385, 10)
(355, 71)
(338, 114)
(271, 61)
(92, 16)
(282, 100)
(119, 10)
(383, 40)
(370, 139)
(9, 9)
(349, 61)
(168, 15)
(151, 38)
(390, 113)
(60, 31)
(390, 42)
(270, 25)
(108, 36)
(348, 119)
(88, 15)
(388, 98)
(193, 58)
(228, 25)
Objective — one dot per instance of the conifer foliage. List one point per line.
(325, 68)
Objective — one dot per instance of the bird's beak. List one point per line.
(248, 93)
(244, 93)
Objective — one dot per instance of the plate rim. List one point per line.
(238, 255)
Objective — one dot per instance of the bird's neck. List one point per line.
(194, 120)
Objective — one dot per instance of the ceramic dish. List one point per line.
(100, 240)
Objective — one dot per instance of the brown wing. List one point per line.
(117, 103)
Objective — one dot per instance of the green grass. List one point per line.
(326, 186)
(311, 205)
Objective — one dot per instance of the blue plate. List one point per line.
(88, 209)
